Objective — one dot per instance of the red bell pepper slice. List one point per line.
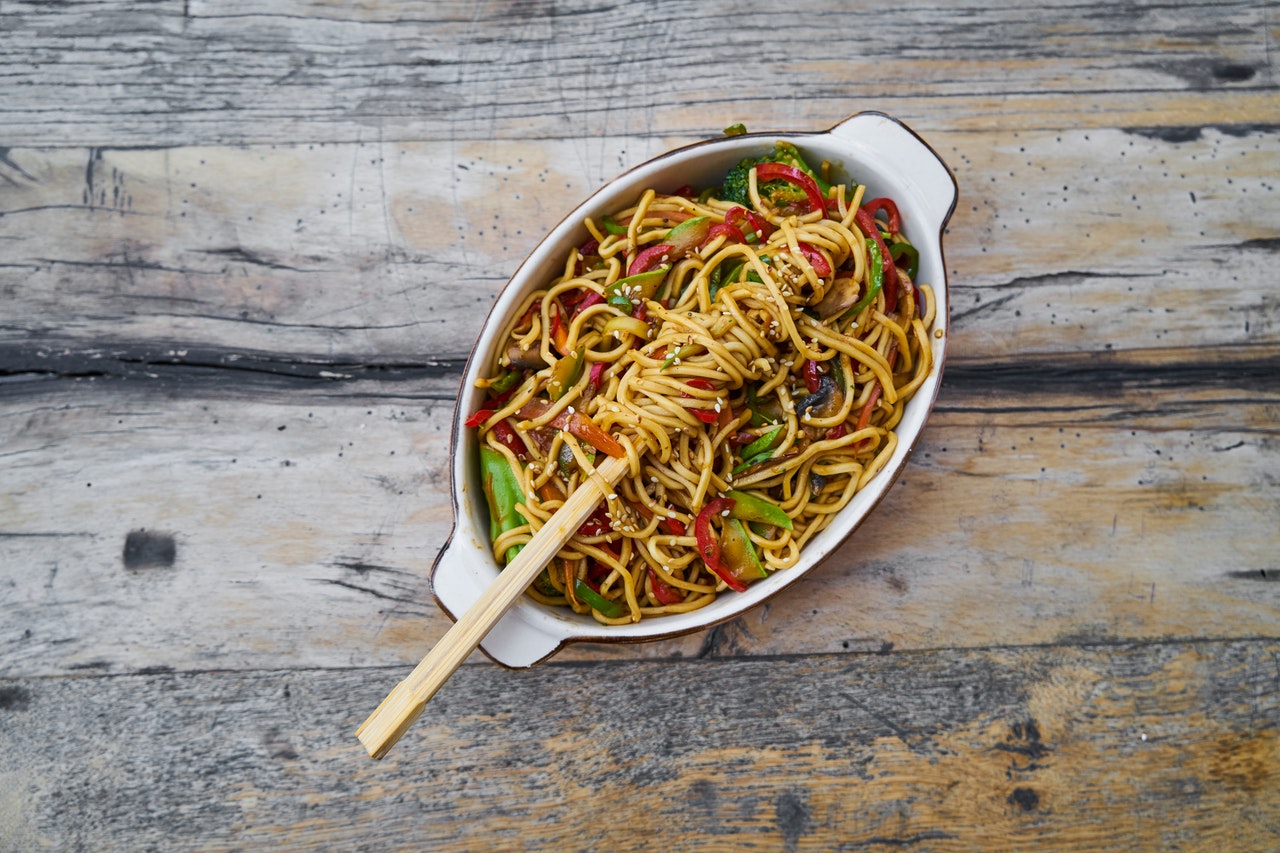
(817, 260)
(674, 526)
(864, 417)
(664, 592)
(707, 416)
(597, 370)
(790, 174)
(478, 418)
(867, 224)
(812, 376)
(646, 259)
(724, 229)
(709, 545)
(754, 223)
(592, 298)
(892, 218)
(507, 437)
(597, 524)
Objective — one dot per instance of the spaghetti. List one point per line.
(749, 356)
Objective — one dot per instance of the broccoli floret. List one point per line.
(735, 185)
(779, 194)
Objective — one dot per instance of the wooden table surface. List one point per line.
(246, 247)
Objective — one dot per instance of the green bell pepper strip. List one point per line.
(502, 491)
(611, 225)
(903, 249)
(505, 382)
(871, 229)
(876, 273)
(750, 507)
(608, 608)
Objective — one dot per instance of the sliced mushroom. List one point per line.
(839, 298)
(525, 359)
(823, 403)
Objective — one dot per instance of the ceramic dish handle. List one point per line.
(890, 143)
(460, 575)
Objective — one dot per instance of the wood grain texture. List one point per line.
(303, 534)
(1076, 748)
(245, 249)
(182, 72)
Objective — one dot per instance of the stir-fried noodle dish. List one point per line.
(748, 348)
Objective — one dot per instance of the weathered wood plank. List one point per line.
(301, 530)
(392, 253)
(183, 72)
(1106, 748)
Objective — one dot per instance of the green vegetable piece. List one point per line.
(735, 129)
(502, 492)
(611, 225)
(542, 583)
(588, 596)
(505, 382)
(736, 183)
(750, 507)
(752, 454)
(737, 554)
(763, 412)
(671, 359)
(725, 273)
(566, 372)
(687, 235)
(564, 458)
(642, 285)
(903, 249)
(877, 278)
(763, 444)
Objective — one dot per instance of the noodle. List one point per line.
(751, 362)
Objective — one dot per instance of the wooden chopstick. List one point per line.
(407, 700)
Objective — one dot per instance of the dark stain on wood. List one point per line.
(1024, 798)
(794, 818)
(144, 549)
(1271, 575)
(14, 698)
(1024, 740)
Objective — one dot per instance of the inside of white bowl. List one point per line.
(868, 148)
